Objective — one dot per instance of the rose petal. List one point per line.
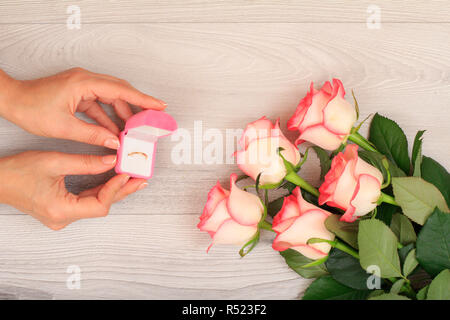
(261, 156)
(256, 130)
(244, 207)
(309, 225)
(331, 178)
(295, 121)
(283, 219)
(311, 252)
(215, 196)
(366, 195)
(303, 205)
(363, 167)
(314, 115)
(340, 116)
(345, 186)
(231, 232)
(218, 216)
(290, 152)
(320, 136)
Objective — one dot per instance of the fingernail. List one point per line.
(109, 159)
(125, 180)
(112, 144)
(163, 103)
(143, 185)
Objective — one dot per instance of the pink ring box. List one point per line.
(136, 154)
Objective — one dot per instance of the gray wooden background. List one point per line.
(225, 63)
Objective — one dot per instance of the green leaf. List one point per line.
(403, 229)
(397, 286)
(375, 293)
(296, 261)
(325, 161)
(417, 153)
(346, 269)
(310, 198)
(410, 263)
(422, 294)
(440, 287)
(417, 198)
(385, 211)
(403, 252)
(419, 278)
(344, 230)
(376, 160)
(433, 243)
(378, 246)
(417, 145)
(436, 174)
(390, 140)
(326, 288)
(389, 296)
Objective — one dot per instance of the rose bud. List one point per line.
(351, 184)
(324, 117)
(260, 143)
(231, 217)
(297, 222)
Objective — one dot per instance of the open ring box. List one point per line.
(136, 154)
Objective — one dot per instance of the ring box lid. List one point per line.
(151, 123)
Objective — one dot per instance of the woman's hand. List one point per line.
(36, 186)
(47, 106)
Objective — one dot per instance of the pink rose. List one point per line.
(297, 222)
(324, 117)
(260, 142)
(231, 217)
(351, 184)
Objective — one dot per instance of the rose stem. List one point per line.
(388, 199)
(266, 226)
(297, 180)
(361, 141)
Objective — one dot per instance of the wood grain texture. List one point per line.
(138, 257)
(209, 68)
(126, 11)
(228, 75)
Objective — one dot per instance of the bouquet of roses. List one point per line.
(378, 227)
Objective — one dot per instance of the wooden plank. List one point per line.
(227, 75)
(142, 257)
(54, 11)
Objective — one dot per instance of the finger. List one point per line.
(91, 192)
(93, 207)
(94, 111)
(107, 90)
(81, 131)
(122, 109)
(130, 187)
(65, 164)
(112, 78)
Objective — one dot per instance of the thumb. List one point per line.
(92, 134)
(77, 164)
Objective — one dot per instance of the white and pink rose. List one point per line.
(323, 117)
(231, 217)
(297, 222)
(260, 143)
(351, 184)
